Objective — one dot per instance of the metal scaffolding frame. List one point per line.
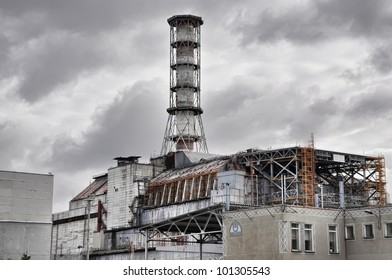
(203, 226)
(363, 177)
(291, 175)
(308, 176)
(276, 175)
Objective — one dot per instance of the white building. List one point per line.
(25, 215)
(111, 201)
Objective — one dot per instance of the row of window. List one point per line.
(307, 242)
(367, 231)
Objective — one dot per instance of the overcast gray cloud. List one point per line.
(88, 16)
(284, 114)
(381, 59)
(128, 126)
(82, 82)
(371, 106)
(312, 21)
(55, 60)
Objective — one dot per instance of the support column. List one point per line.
(201, 246)
(146, 246)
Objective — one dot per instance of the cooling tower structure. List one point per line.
(184, 128)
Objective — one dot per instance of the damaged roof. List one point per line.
(191, 171)
(97, 187)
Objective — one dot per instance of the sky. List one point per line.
(82, 82)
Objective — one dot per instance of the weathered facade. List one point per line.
(25, 215)
(111, 201)
(297, 233)
(83, 223)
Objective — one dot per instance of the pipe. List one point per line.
(88, 227)
(146, 246)
(341, 194)
(227, 196)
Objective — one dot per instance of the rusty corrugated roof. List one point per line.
(195, 170)
(97, 187)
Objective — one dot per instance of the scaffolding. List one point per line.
(290, 176)
(374, 172)
(381, 180)
(274, 175)
(308, 176)
(203, 226)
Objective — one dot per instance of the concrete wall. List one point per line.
(235, 181)
(69, 234)
(377, 248)
(25, 214)
(120, 194)
(122, 190)
(66, 238)
(26, 197)
(19, 238)
(266, 235)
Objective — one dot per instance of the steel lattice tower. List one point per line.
(184, 128)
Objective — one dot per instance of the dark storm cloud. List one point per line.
(92, 15)
(381, 59)
(362, 17)
(5, 137)
(320, 117)
(268, 114)
(57, 61)
(319, 20)
(230, 101)
(371, 105)
(82, 16)
(299, 25)
(353, 75)
(5, 48)
(47, 44)
(132, 125)
(12, 143)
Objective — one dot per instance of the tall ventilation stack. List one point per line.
(184, 128)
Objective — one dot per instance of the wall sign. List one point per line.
(235, 229)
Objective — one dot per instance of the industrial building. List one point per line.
(111, 201)
(289, 203)
(25, 215)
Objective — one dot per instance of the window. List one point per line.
(295, 236)
(388, 230)
(309, 238)
(333, 239)
(368, 231)
(302, 237)
(349, 232)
